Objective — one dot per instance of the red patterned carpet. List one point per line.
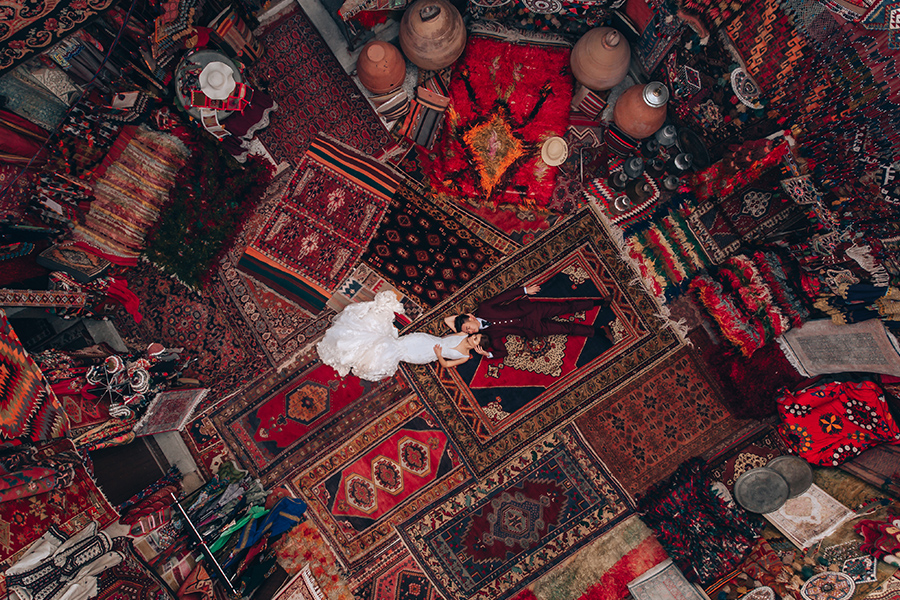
(314, 94)
(208, 327)
(289, 419)
(358, 493)
(494, 408)
(655, 423)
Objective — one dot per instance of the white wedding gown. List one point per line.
(363, 339)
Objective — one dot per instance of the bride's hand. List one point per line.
(437, 350)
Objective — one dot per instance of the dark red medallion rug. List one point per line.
(208, 326)
(493, 408)
(358, 493)
(498, 534)
(290, 418)
(313, 92)
(424, 252)
(655, 423)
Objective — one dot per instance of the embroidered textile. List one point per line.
(169, 410)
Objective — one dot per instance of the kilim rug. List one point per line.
(358, 493)
(657, 421)
(289, 419)
(506, 100)
(129, 195)
(423, 251)
(393, 574)
(497, 535)
(330, 211)
(208, 327)
(281, 327)
(752, 446)
(494, 408)
(30, 409)
(313, 92)
(70, 508)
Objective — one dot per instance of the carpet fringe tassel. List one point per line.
(617, 235)
(791, 357)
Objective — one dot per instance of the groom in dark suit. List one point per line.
(513, 313)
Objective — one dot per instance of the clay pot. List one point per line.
(600, 58)
(641, 110)
(380, 67)
(432, 34)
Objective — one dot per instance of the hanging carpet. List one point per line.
(288, 419)
(506, 100)
(132, 578)
(329, 212)
(313, 92)
(70, 508)
(423, 251)
(393, 574)
(492, 408)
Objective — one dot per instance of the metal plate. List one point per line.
(761, 490)
(688, 141)
(795, 470)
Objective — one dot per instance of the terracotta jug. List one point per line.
(380, 67)
(600, 58)
(432, 34)
(641, 110)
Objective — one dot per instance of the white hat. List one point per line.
(217, 80)
(555, 151)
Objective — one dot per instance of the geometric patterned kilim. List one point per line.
(29, 410)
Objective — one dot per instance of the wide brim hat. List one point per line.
(555, 151)
(217, 80)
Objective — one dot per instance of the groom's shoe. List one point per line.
(604, 330)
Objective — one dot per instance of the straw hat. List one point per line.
(217, 80)
(554, 151)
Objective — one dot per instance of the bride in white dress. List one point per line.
(363, 339)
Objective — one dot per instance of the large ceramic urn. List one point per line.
(641, 110)
(380, 67)
(432, 34)
(600, 59)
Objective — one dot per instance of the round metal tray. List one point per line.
(761, 490)
(795, 470)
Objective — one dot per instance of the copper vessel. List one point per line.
(432, 34)
(600, 58)
(641, 110)
(380, 67)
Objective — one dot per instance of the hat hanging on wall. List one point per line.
(217, 80)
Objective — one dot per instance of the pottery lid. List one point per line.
(656, 94)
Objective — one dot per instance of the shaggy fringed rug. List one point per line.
(506, 100)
